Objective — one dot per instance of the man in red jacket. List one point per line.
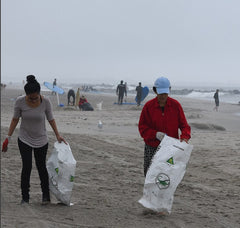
(161, 115)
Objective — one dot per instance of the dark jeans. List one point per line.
(40, 160)
(139, 96)
(120, 98)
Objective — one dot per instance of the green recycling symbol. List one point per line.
(170, 161)
(162, 181)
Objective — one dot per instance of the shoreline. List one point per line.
(228, 94)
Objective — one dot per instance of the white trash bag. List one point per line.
(99, 106)
(61, 167)
(165, 173)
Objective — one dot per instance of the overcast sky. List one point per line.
(95, 41)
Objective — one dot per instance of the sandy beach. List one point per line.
(109, 175)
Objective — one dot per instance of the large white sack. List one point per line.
(165, 173)
(61, 167)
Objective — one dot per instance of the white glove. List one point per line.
(160, 135)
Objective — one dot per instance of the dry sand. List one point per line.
(109, 175)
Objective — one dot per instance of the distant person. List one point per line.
(33, 109)
(77, 98)
(216, 98)
(84, 105)
(54, 84)
(161, 115)
(3, 86)
(71, 94)
(121, 89)
(126, 87)
(139, 93)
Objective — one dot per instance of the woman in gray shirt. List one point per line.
(33, 108)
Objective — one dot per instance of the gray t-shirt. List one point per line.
(33, 129)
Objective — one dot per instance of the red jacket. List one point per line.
(152, 120)
(82, 101)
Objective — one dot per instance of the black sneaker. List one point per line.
(46, 200)
(24, 201)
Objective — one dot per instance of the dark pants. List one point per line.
(86, 107)
(120, 98)
(139, 96)
(149, 152)
(40, 160)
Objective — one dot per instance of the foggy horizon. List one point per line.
(93, 42)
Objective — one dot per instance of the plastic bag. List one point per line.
(165, 173)
(61, 167)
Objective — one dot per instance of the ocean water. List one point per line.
(227, 95)
(224, 96)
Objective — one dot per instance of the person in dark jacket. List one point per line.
(71, 93)
(121, 89)
(139, 93)
(216, 97)
(54, 84)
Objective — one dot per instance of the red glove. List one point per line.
(5, 145)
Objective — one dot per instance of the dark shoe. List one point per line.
(46, 200)
(24, 201)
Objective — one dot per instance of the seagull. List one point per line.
(100, 125)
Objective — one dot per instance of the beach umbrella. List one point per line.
(55, 89)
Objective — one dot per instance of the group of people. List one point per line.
(160, 116)
(83, 104)
(122, 89)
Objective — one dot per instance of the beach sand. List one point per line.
(109, 175)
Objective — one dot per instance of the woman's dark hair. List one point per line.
(154, 89)
(32, 85)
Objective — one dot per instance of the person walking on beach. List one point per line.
(216, 97)
(121, 89)
(33, 108)
(139, 93)
(161, 115)
(54, 84)
(71, 93)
